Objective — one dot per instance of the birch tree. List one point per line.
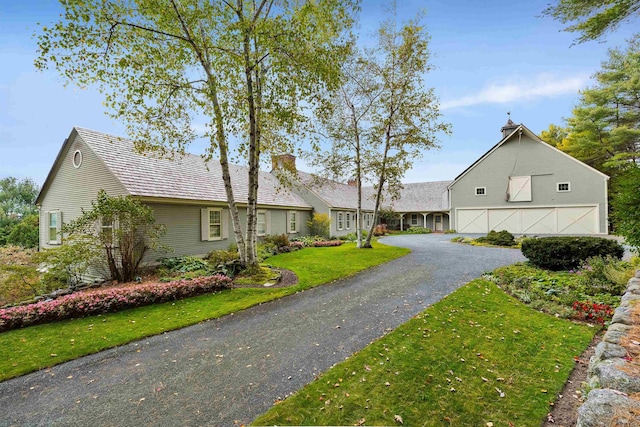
(244, 67)
(407, 120)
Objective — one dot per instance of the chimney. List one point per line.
(352, 183)
(508, 128)
(284, 161)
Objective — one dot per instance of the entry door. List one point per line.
(437, 221)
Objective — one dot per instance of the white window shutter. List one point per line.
(204, 224)
(59, 228)
(520, 189)
(224, 220)
(267, 220)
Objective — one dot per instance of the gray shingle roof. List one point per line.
(335, 194)
(420, 197)
(184, 177)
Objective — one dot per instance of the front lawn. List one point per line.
(476, 358)
(36, 347)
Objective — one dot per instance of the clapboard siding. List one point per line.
(73, 189)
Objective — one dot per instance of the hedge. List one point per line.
(566, 253)
(90, 303)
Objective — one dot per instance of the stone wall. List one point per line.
(614, 370)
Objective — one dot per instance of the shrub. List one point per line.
(81, 304)
(218, 257)
(308, 240)
(352, 237)
(185, 264)
(498, 238)
(25, 233)
(66, 265)
(19, 275)
(599, 275)
(380, 230)
(419, 230)
(266, 250)
(320, 224)
(450, 231)
(565, 253)
(279, 240)
(592, 312)
(328, 243)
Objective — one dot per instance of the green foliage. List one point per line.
(419, 230)
(554, 135)
(555, 292)
(626, 207)
(565, 253)
(130, 233)
(320, 224)
(25, 233)
(19, 275)
(247, 68)
(278, 240)
(604, 275)
(309, 240)
(604, 129)
(218, 257)
(65, 266)
(593, 19)
(17, 201)
(498, 238)
(450, 231)
(447, 366)
(30, 349)
(184, 264)
(353, 237)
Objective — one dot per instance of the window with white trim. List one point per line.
(414, 219)
(340, 221)
(293, 221)
(215, 224)
(54, 222)
(563, 187)
(106, 230)
(348, 221)
(481, 191)
(261, 226)
(367, 219)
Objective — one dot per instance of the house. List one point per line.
(526, 186)
(186, 193)
(336, 199)
(421, 204)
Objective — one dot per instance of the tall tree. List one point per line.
(406, 120)
(604, 130)
(245, 66)
(554, 135)
(17, 201)
(345, 120)
(594, 18)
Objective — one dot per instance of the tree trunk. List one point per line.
(381, 182)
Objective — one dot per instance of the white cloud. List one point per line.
(541, 86)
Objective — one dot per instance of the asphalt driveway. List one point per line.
(225, 372)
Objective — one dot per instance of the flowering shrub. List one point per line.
(328, 243)
(81, 304)
(297, 245)
(592, 312)
(380, 230)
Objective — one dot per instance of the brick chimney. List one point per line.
(284, 161)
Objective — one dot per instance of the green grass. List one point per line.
(448, 366)
(37, 347)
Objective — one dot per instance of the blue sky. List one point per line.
(490, 58)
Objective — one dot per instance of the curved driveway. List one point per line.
(227, 371)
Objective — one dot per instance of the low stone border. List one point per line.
(614, 370)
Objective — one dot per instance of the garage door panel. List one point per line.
(580, 220)
(504, 219)
(472, 221)
(538, 221)
(552, 220)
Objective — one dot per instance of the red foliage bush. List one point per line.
(592, 312)
(81, 304)
(380, 230)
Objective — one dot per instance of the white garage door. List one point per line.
(561, 220)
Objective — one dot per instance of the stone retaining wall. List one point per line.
(614, 370)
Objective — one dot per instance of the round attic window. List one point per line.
(77, 159)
